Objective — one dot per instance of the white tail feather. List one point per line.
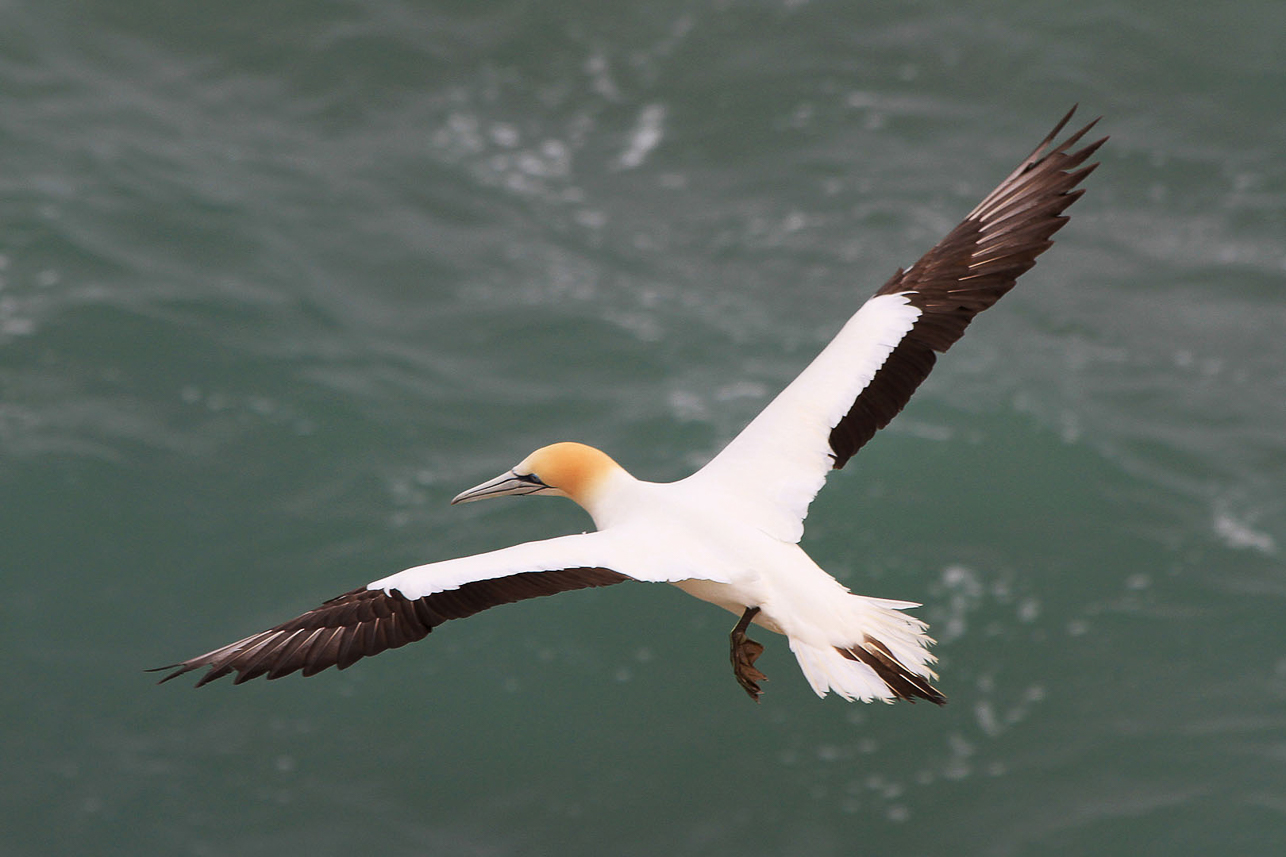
(826, 670)
(879, 629)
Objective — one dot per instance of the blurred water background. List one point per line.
(278, 279)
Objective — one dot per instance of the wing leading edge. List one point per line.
(405, 607)
(366, 622)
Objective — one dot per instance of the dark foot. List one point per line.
(745, 652)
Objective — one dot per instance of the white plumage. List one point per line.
(729, 534)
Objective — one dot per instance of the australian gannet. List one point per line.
(729, 533)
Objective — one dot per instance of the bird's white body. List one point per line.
(728, 534)
(676, 533)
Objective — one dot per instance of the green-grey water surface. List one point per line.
(278, 279)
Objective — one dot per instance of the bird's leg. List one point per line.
(745, 652)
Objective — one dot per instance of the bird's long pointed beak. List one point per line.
(505, 483)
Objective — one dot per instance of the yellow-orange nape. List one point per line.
(575, 470)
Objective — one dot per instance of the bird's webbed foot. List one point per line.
(744, 652)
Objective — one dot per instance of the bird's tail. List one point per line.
(888, 660)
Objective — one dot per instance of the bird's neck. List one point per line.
(613, 498)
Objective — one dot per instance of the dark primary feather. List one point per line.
(967, 272)
(368, 621)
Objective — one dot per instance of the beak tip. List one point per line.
(501, 485)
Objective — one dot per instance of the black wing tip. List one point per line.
(968, 271)
(179, 669)
(1075, 137)
(184, 669)
(366, 622)
(1052, 171)
(217, 671)
(1058, 129)
(1070, 160)
(213, 673)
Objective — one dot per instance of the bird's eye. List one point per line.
(530, 477)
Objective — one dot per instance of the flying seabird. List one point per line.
(729, 533)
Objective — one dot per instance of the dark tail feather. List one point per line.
(904, 683)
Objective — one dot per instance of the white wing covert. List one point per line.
(864, 377)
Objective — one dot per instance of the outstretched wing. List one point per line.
(404, 608)
(864, 377)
